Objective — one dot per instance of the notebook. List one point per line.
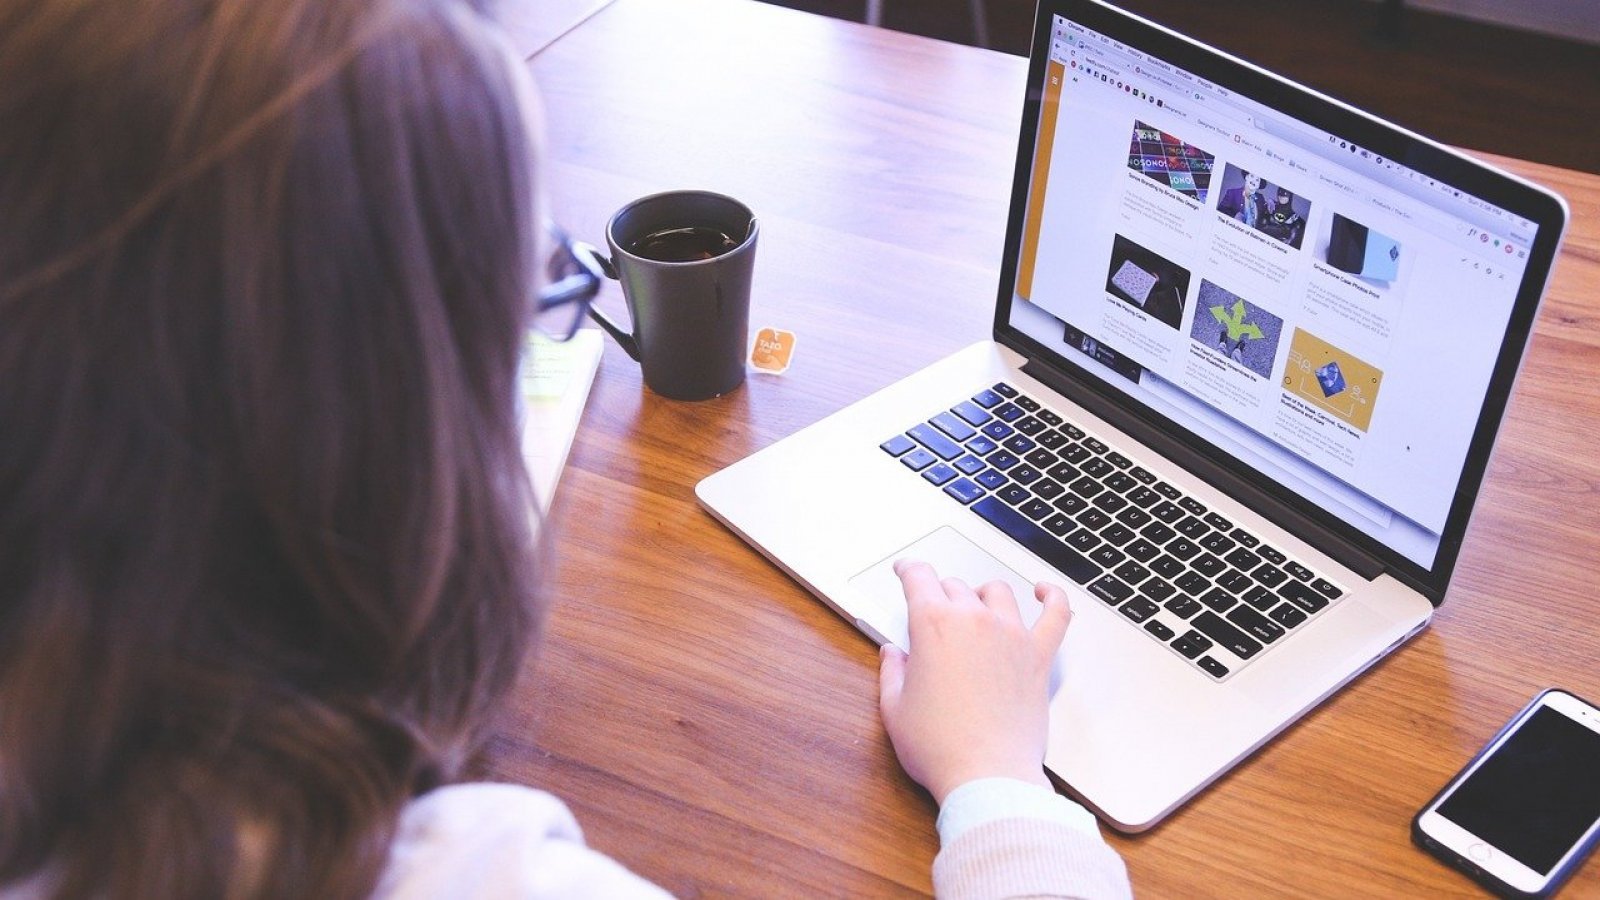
(1251, 350)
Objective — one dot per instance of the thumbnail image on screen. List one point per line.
(1146, 280)
(1357, 249)
(1166, 160)
(1271, 209)
(1332, 379)
(1232, 326)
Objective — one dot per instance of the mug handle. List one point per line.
(624, 338)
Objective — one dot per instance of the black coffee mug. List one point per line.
(684, 259)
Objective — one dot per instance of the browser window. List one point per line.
(1329, 316)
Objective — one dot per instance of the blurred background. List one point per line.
(1515, 77)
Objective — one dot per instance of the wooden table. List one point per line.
(713, 725)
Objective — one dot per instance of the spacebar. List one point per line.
(1044, 544)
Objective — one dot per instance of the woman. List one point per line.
(266, 573)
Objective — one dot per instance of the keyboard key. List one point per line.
(1234, 581)
(1117, 533)
(1166, 490)
(1193, 528)
(1184, 606)
(1036, 539)
(1143, 497)
(1183, 548)
(988, 399)
(934, 440)
(1218, 522)
(939, 473)
(1002, 460)
(981, 445)
(1192, 583)
(1161, 631)
(1138, 609)
(997, 430)
(1261, 598)
(1131, 572)
(1156, 589)
(1041, 458)
(1025, 474)
(1047, 489)
(1327, 589)
(1076, 454)
(1295, 569)
(1064, 473)
(1005, 390)
(1217, 542)
(1110, 502)
(971, 413)
(1119, 482)
(1272, 555)
(969, 465)
(1093, 519)
(1288, 615)
(1110, 590)
(1008, 412)
(1018, 444)
(991, 479)
(1086, 487)
(1058, 525)
(963, 489)
(918, 459)
(1256, 625)
(1243, 559)
(1245, 538)
(1073, 431)
(1107, 555)
(1096, 467)
(1303, 596)
(1134, 517)
(953, 425)
(1048, 417)
(1208, 565)
(1212, 667)
(1142, 474)
(1192, 505)
(1142, 550)
(1051, 439)
(1084, 539)
(897, 445)
(1030, 426)
(1157, 533)
(1035, 509)
(1167, 567)
(1219, 599)
(1270, 575)
(1191, 644)
(1026, 402)
(1167, 512)
(1095, 444)
(1071, 504)
(1228, 637)
(1118, 460)
(1014, 494)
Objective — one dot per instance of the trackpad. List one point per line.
(952, 556)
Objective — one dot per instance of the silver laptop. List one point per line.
(1251, 349)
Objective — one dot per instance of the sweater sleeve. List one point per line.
(1005, 838)
(492, 841)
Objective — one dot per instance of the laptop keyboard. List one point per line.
(1209, 590)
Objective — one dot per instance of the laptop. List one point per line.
(1251, 348)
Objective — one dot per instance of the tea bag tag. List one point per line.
(772, 351)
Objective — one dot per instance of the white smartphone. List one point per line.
(1525, 812)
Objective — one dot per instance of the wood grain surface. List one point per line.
(713, 725)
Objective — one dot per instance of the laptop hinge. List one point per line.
(1277, 510)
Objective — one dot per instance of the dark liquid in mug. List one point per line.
(685, 244)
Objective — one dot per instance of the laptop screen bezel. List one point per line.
(1413, 151)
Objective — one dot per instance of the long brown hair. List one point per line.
(264, 531)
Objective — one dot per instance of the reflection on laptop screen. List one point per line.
(1327, 315)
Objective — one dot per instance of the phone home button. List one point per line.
(1480, 851)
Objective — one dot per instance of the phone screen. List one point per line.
(1536, 795)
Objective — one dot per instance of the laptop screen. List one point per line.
(1329, 316)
